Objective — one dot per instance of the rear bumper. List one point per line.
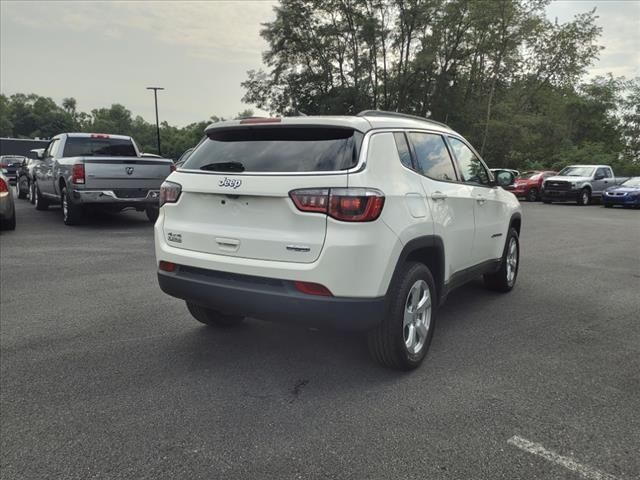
(270, 299)
(109, 197)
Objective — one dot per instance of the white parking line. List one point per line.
(585, 471)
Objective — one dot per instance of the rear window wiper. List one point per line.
(223, 167)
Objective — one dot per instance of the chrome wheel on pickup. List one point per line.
(584, 198)
(72, 214)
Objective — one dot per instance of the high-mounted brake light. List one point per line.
(169, 192)
(77, 173)
(344, 204)
(100, 135)
(260, 120)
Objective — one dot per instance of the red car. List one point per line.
(529, 184)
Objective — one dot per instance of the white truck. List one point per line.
(81, 171)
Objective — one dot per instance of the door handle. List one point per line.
(438, 196)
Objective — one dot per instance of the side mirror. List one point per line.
(598, 177)
(505, 178)
(40, 154)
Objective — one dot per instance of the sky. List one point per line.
(199, 51)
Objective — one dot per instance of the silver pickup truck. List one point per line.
(579, 183)
(81, 171)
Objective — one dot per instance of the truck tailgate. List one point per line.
(125, 172)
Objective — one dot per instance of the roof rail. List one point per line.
(383, 113)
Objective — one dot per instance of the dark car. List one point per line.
(626, 194)
(26, 176)
(9, 165)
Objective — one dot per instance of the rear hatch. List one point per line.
(112, 163)
(236, 184)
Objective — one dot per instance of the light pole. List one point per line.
(155, 95)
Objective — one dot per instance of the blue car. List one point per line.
(627, 194)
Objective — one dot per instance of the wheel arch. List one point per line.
(428, 250)
(516, 222)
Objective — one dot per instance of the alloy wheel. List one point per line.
(417, 317)
(512, 261)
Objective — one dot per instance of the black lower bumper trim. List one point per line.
(270, 299)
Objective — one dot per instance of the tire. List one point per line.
(533, 195)
(40, 202)
(402, 340)
(584, 197)
(9, 224)
(505, 278)
(152, 213)
(23, 188)
(72, 213)
(32, 193)
(213, 318)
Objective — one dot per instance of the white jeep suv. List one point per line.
(360, 222)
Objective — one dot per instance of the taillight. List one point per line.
(313, 289)
(77, 173)
(344, 204)
(172, 168)
(311, 200)
(169, 192)
(4, 188)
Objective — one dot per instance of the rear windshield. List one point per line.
(277, 149)
(89, 147)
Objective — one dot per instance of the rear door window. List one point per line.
(96, 146)
(277, 149)
(432, 156)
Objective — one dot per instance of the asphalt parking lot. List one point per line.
(104, 376)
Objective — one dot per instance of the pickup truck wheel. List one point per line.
(584, 198)
(23, 187)
(152, 213)
(212, 317)
(505, 278)
(72, 214)
(40, 202)
(402, 339)
(532, 194)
